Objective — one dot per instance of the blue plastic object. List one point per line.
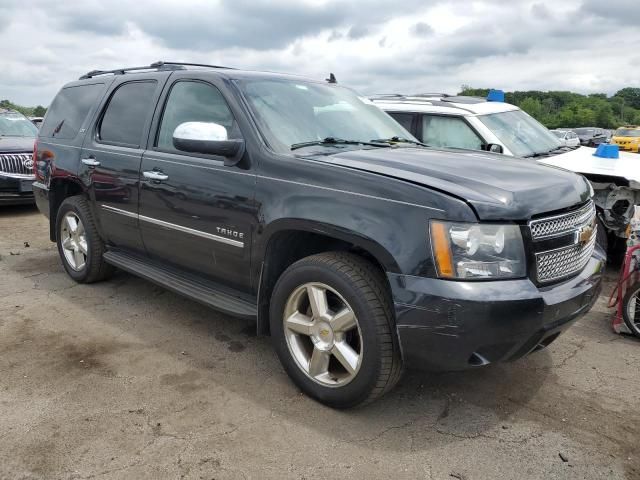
(606, 150)
(495, 96)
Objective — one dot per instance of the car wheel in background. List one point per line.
(631, 309)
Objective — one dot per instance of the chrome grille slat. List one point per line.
(570, 259)
(564, 262)
(13, 163)
(562, 224)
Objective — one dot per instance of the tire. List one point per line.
(629, 307)
(350, 284)
(80, 250)
(602, 238)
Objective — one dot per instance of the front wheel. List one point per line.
(631, 309)
(331, 322)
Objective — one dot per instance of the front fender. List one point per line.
(386, 217)
(378, 251)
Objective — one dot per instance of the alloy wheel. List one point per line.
(74, 241)
(323, 334)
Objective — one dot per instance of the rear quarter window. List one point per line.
(69, 110)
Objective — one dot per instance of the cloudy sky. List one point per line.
(375, 46)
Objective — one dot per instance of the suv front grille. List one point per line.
(564, 262)
(561, 224)
(570, 253)
(16, 163)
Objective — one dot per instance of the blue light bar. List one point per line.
(606, 150)
(495, 96)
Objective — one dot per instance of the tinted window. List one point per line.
(69, 110)
(191, 101)
(449, 132)
(404, 119)
(126, 114)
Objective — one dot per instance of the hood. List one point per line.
(497, 187)
(619, 138)
(581, 160)
(16, 144)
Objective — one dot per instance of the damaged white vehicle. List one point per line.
(441, 120)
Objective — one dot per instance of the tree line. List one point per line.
(38, 111)
(571, 110)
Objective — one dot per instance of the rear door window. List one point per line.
(404, 119)
(449, 132)
(126, 114)
(69, 110)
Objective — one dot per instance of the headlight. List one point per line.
(477, 251)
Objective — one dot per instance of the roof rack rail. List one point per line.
(434, 94)
(418, 97)
(157, 66)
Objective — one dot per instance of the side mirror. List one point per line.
(209, 139)
(493, 148)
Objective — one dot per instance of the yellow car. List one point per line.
(627, 138)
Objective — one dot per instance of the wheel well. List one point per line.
(289, 246)
(58, 191)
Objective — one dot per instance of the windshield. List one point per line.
(627, 132)
(520, 133)
(558, 133)
(584, 131)
(292, 112)
(16, 125)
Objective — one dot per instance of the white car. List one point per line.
(446, 121)
(567, 137)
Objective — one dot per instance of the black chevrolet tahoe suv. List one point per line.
(302, 205)
(17, 134)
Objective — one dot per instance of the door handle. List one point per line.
(155, 175)
(90, 162)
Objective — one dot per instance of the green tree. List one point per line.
(533, 107)
(39, 111)
(631, 96)
(604, 116)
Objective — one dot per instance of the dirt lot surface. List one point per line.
(125, 380)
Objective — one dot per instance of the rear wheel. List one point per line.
(79, 244)
(631, 309)
(331, 322)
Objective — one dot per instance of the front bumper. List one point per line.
(16, 190)
(451, 325)
(628, 147)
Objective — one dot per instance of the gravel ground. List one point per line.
(123, 379)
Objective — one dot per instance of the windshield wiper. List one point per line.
(560, 149)
(335, 141)
(394, 140)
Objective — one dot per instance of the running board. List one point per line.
(200, 290)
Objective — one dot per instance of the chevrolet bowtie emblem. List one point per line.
(584, 234)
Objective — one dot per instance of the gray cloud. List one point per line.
(358, 31)
(370, 45)
(422, 29)
(617, 12)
